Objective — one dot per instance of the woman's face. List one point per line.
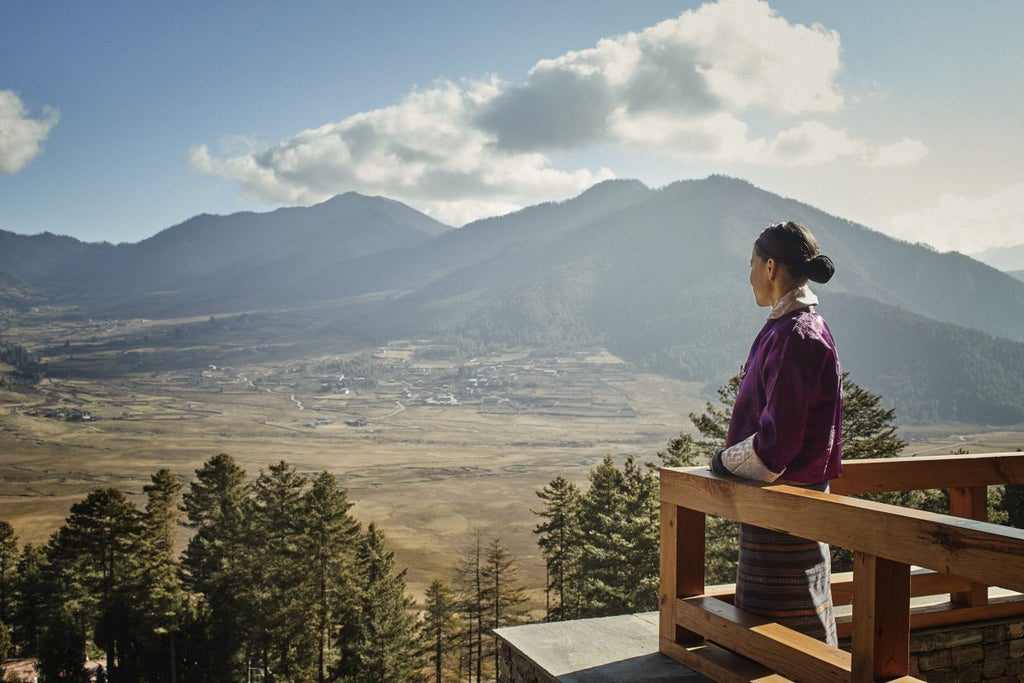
(760, 281)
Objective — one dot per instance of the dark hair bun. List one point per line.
(820, 269)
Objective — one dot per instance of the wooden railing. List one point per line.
(899, 553)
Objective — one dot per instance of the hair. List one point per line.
(793, 245)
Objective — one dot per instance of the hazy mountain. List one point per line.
(220, 259)
(658, 276)
(1007, 259)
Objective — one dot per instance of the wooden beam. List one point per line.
(681, 566)
(881, 475)
(719, 664)
(922, 582)
(970, 502)
(987, 553)
(881, 618)
(781, 649)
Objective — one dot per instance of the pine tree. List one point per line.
(603, 548)
(281, 635)
(328, 545)
(868, 429)
(31, 591)
(559, 545)
(1012, 504)
(8, 559)
(161, 604)
(640, 516)
(216, 567)
(384, 643)
(92, 557)
(440, 626)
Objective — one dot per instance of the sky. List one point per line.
(119, 119)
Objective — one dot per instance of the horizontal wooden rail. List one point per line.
(883, 475)
(960, 554)
(951, 545)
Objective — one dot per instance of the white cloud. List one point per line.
(902, 153)
(423, 151)
(686, 88)
(966, 224)
(20, 134)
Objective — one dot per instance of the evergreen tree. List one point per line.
(1013, 504)
(216, 567)
(559, 545)
(161, 604)
(383, 649)
(641, 506)
(6, 642)
(328, 545)
(31, 591)
(603, 547)
(92, 557)
(868, 429)
(281, 637)
(440, 627)
(8, 560)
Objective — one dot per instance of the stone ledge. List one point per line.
(600, 650)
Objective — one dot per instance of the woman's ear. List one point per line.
(771, 268)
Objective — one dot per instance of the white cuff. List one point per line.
(742, 460)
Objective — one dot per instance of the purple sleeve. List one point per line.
(791, 375)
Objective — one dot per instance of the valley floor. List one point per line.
(433, 447)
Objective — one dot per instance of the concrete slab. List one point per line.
(601, 650)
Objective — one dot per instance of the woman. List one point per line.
(786, 427)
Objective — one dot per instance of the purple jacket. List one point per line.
(789, 407)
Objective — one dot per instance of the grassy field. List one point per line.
(442, 450)
(432, 447)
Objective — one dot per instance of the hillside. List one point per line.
(657, 276)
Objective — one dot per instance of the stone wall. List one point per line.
(513, 667)
(986, 651)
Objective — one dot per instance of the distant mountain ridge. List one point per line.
(659, 276)
(1007, 259)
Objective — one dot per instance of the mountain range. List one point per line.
(659, 276)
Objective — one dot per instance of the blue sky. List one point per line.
(120, 119)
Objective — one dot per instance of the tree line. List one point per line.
(278, 582)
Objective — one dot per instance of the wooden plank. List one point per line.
(681, 566)
(947, 614)
(922, 582)
(970, 502)
(881, 475)
(667, 561)
(988, 553)
(881, 618)
(792, 654)
(719, 664)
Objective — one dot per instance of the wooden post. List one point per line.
(881, 618)
(682, 567)
(972, 503)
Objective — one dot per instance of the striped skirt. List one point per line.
(787, 580)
